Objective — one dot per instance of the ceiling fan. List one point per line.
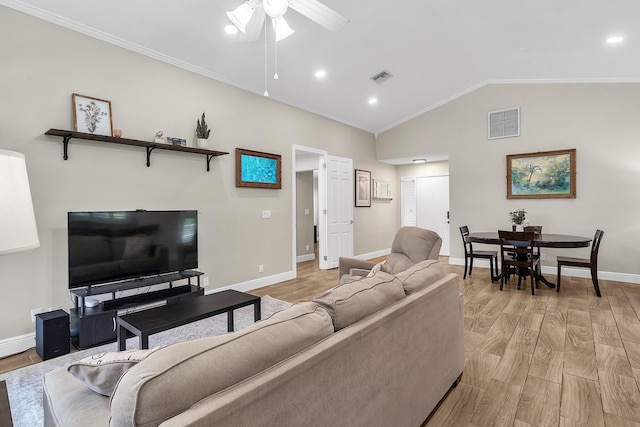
(250, 17)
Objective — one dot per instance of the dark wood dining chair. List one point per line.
(470, 254)
(517, 252)
(591, 262)
(537, 229)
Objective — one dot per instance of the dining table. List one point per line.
(543, 240)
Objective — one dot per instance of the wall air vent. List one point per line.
(382, 76)
(504, 123)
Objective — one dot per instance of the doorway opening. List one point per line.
(308, 194)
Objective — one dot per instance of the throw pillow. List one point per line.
(101, 372)
(381, 266)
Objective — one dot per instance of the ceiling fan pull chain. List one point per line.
(266, 84)
(275, 51)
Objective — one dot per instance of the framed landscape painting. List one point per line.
(542, 175)
(257, 169)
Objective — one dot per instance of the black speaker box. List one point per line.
(52, 334)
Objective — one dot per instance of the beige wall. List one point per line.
(43, 64)
(304, 222)
(599, 120)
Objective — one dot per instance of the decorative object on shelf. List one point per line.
(149, 146)
(257, 169)
(117, 133)
(18, 230)
(363, 188)
(381, 190)
(202, 132)
(519, 219)
(158, 139)
(92, 115)
(177, 141)
(542, 175)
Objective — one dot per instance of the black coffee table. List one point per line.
(148, 322)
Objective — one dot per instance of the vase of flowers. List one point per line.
(519, 219)
(202, 133)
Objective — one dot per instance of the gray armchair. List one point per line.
(410, 246)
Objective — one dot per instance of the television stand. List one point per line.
(91, 326)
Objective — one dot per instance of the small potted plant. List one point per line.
(518, 218)
(202, 132)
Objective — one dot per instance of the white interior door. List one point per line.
(432, 200)
(339, 212)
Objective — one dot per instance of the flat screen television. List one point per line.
(118, 245)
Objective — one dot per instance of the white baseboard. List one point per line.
(15, 345)
(256, 283)
(307, 257)
(566, 271)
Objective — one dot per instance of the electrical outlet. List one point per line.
(57, 307)
(33, 314)
(307, 248)
(205, 282)
(261, 268)
(543, 257)
(266, 214)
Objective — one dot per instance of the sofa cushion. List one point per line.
(353, 301)
(102, 371)
(421, 275)
(175, 377)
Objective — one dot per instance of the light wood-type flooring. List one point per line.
(563, 359)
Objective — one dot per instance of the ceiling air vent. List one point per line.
(382, 76)
(504, 123)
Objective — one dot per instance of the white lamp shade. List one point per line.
(18, 230)
(241, 16)
(281, 28)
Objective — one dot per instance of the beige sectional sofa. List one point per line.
(380, 351)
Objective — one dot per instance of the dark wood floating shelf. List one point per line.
(150, 146)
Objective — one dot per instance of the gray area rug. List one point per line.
(25, 385)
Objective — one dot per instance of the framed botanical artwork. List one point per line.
(542, 175)
(257, 169)
(363, 188)
(92, 115)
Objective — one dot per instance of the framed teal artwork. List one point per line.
(257, 169)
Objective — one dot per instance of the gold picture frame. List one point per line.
(92, 115)
(542, 175)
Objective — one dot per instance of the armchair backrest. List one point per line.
(412, 245)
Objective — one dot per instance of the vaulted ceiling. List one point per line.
(435, 49)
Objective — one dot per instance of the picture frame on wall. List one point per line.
(362, 188)
(257, 169)
(542, 175)
(92, 115)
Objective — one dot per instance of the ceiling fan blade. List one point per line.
(319, 13)
(254, 26)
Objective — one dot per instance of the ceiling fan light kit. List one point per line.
(275, 8)
(241, 16)
(252, 13)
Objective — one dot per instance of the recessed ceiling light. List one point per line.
(419, 160)
(615, 39)
(373, 101)
(231, 29)
(321, 74)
